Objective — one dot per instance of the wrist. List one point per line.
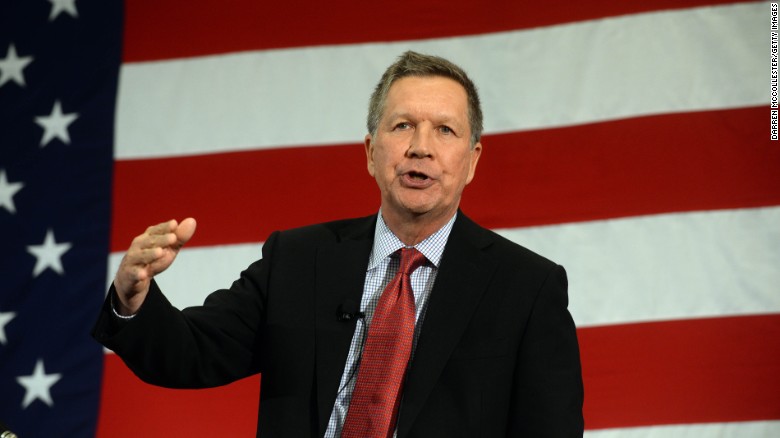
(121, 311)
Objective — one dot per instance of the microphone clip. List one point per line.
(348, 311)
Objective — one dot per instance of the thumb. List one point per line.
(184, 231)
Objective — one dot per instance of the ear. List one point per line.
(369, 154)
(476, 152)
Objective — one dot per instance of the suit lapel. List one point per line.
(462, 278)
(341, 273)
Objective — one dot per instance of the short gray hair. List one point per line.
(416, 64)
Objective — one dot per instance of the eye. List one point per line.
(446, 130)
(403, 125)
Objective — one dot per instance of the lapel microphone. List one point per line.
(5, 432)
(349, 310)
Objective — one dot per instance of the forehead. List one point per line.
(427, 95)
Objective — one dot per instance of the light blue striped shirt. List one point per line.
(382, 267)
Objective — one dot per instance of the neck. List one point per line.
(413, 228)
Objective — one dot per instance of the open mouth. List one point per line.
(417, 176)
(417, 180)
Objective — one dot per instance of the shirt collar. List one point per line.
(386, 243)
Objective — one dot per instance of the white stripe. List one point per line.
(199, 271)
(661, 62)
(751, 429)
(675, 266)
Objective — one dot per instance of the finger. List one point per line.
(164, 240)
(185, 230)
(133, 259)
(160, 264)
(153, 251)
(140, 273)
(147, 256)
(146, 241)
(127, 275)
(145, 264)
(162, 228)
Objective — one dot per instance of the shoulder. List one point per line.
(333, 230)
(511, 263)
(513, 267)
(498, 247)
(312, 236)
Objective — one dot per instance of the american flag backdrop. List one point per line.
(628, 141)
(59, 64)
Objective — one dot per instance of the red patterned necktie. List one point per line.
(374, 407)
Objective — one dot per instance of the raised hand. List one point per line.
(150, 253)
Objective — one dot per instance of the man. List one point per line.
(475, 341)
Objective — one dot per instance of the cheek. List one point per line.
(381, 170)
(470, 170)
(464, 167)
(383, 162)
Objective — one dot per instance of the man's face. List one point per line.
(420, 155)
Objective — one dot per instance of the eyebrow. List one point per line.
(438, 118)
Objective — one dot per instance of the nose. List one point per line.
(420, 145)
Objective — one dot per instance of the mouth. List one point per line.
(417, 180)
(418, 176)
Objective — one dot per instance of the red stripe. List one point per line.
(177, 28)
(668, 163)
(690, 371)
(675, 372)
(131, 408)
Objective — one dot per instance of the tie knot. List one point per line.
(411, 259)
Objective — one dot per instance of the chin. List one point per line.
(417, 206)
(409, 208)
(430, 210)
(415, 203)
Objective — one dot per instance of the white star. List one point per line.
(5, 318)
(38, 385)
(59, 6)
(48, 254)
(56, 124)
(7, 192)
(12, 65)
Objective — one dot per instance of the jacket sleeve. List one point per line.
(548, 391)
(203, 346)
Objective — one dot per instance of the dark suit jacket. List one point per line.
(497, 354)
